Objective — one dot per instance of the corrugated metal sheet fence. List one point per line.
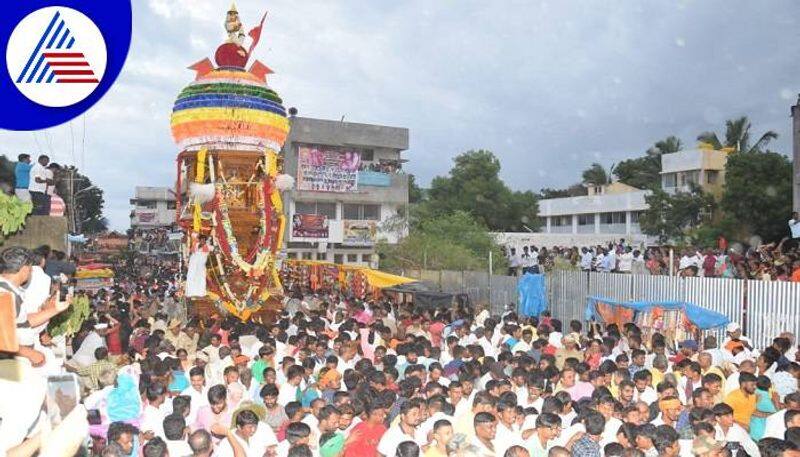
(773, 308)
(764, 308)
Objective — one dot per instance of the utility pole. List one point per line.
(796, 155)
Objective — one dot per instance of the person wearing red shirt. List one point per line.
(365, 436)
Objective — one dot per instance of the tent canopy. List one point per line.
(382, 280)
(703, 318)
(423, 298)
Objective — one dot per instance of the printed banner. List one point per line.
(374, 178)
(146, 217)
(327, 170)
(309, 226)
(360, 233)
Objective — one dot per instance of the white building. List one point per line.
(153, 207)
(701, 167)
(607, 214)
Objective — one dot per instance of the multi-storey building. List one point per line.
(350, 190)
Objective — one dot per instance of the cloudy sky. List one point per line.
(549, 86)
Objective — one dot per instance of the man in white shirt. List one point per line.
(246, 427)
(288, 391)
(514, 262)
(404, 430)
(152, 419)
(777, 423)
(507, 433)
(794, 225)
(728, 430)
(175, 431)
(197, 392)
(84, 356)
(586, 259)
(626, 261)
(37, 186)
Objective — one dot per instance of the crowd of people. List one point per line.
(768, 262)
(332, 375)
(36, 183)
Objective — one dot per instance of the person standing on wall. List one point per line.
(22, 176)
(794, 228)
(39, 180)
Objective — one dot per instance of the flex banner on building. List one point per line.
(309, 226)
(360, 233)
(327, 169)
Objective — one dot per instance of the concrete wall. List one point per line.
(40, 230)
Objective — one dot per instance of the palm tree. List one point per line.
(737, 137)
(668, 145)
(597, 175)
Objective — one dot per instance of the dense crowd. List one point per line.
(768, 262)
(335, 376)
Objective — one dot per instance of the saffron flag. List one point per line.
(255, 34)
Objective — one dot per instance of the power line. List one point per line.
(83, 143)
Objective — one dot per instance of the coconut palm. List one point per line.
(737, 137)
(597, 175)
(668, 145)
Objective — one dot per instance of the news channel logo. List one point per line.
(60, 59)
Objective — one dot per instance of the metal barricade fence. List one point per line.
(764, 308)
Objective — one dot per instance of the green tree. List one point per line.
(596, 175)
(737, 137)
(453, 242)
(575, 190)
(645, 172)
(7, 170)
(668, 145)
(415, 194)
(89, 200)
(474, 186)
(758, 194)
(674, 217)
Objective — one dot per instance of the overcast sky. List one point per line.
(548, 86)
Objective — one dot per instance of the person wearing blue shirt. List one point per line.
(22, 177)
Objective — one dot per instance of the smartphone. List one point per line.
(63, 395)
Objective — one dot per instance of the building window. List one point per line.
(635, 216)
(371, 212)
(368, 155)
(171, 205)
(712, 176)
(670, 180)
(352, 258)
(306, 256)
(361, 212)
(325, 209)
(612, 218)
(337, 259)
(690, 177)
(148, 204)
(291, 255)
(322, 256)
(586, 219)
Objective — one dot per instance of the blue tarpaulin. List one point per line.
(532, 294)
(703, 318)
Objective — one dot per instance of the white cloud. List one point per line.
(570, 82)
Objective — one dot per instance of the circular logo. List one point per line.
(56, 56)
